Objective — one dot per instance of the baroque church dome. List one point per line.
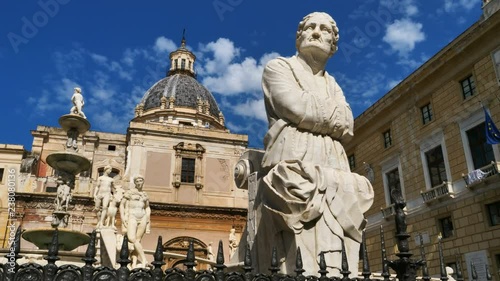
(179, 99)
(186, 90)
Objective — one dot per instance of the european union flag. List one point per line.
(492, 132)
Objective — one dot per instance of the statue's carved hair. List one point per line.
(138, 177)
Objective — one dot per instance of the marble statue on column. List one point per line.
(114, 203)
(103, 195)
(310, 197)
(210, 252)
(63, 195)
(78, 103)
(233, 242)
(136, 218)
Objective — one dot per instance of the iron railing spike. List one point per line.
(299, 266)
(158, 255)
(274, 261)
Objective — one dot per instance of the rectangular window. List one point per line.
(1, 174)
(387, 138)
(393, 182)
(494, 213)
(187, 171)
(436, 166)
(453, 266)
(446, 227)
(176, 63)
(426, 113)
(496, 62)
(468, 87)
(183, 63)
(112, 147)
(352, 161)
(481, 151)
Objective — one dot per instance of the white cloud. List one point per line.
(111, 66)
(112, 121)
(164, 44)
(102, 91)
(223, 74)
(454, 5)
(130, 55)
(99, 58)
(223, 52)
(238, 78)
(71, 62)
(59, 96)
(402, 35)
(251, 108)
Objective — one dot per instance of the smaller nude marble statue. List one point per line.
(136, 218)
(116, 199)
(78, 103)
(210, 252)
(63, 195)
(102, 195)
(233, 242)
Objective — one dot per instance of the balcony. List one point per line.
(388, 212)
(438, 193)
(481, 176)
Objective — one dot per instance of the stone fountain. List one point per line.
(68, 164)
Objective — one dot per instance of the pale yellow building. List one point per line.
(427, 136)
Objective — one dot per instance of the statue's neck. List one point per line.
(314, 63)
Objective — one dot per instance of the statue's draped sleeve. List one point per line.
(303, 121)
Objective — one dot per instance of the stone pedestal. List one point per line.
(108, 246)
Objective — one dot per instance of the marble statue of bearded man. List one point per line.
(311, 199)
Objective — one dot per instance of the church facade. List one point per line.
(177, 141)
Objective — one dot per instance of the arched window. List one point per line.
(179, 245)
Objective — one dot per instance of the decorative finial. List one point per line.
(183, 41)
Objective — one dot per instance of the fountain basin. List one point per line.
(68, 239)
(70, 121)
(69, 162)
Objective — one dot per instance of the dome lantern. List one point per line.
(182, 60)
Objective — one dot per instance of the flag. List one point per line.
(492, 132)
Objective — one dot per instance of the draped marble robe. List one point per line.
(311, 199)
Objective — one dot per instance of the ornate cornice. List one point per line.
(86, 203)
(201, 212)
(46, 201)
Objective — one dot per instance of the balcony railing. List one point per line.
(439, 192)
(388, 212)
(481, 175)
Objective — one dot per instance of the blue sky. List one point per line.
(116, 50)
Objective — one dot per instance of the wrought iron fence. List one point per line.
(405, 267)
